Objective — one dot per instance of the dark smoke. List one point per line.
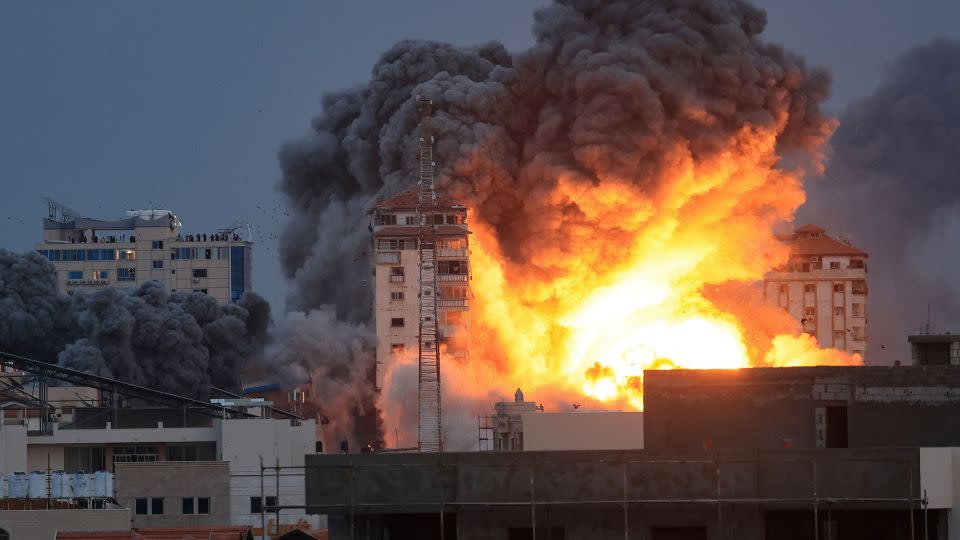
(611, 90)
(892, 182)
(178, 342)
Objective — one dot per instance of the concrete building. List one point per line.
(802, 407)
(175, 493)
(146, 245)
(824, 286)
(521, 425)
(745, 494)
(397, 276)
(934, 350)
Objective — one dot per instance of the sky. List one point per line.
(107, 106)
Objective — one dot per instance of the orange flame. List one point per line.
(645, 279)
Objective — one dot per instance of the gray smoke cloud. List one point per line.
(178, 342)
(892, 184)
(607, 89)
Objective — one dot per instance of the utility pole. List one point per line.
(430, 438)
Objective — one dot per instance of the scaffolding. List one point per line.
(428, 350)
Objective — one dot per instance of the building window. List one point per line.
(396, 322)
(75, 275)
(181, 254)
(239, 272)
(857, 332)
(199, 272)
(834, 265)
(197, 452)
(856, 263)
(141, 506)
(387, 219)
(809, 288)
(452, 267)
(838, 287)
(187, 504)
(126, 274)
(156, 506)
(410, 220)
(397, 348)
(396, 274)
(157, 264)
(859, 287)
(256, 508)
(396, 296)
(126, 254)
(134, 454)
(838, 310)
(156, 244)
(203, 505)
(809, 311)
(857, 309)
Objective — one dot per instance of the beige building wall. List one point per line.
(583, 431)
(13, 448)
(44, 524)
(174, 481)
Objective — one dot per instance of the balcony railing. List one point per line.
(388, 257)
(458, 253)
(451, 277)
(453, 302)
(396, 279)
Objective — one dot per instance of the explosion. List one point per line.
(624, 175)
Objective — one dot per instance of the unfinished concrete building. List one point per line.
(824, 286)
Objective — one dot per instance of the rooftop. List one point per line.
(407, 200)
(812, 240)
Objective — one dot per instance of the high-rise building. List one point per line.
(146, 245)
(824, 286)
(397, 277)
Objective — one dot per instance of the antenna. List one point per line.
(59, 212)
(430, 438)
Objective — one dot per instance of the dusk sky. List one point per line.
(108, 106)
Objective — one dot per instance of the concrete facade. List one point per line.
(824, 286)
(146, 246)
(44, 524)
(173, 482)
(737, 494)
(934, 350)
(583, 430)
(397, 278)
(802, 407)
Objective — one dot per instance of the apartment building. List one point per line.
(146, 245)
(397, 277)
(824, 286)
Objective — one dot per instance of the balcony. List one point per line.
(456, 253)
(452, 302)
(451, 277)
(396, 279)
(388, 257)
(87, 282)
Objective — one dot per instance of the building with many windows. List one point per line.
(824, 286)
(146, 245)
(397, 277)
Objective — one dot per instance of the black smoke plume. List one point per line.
(178, 342)
(610, 91)
(892, 183)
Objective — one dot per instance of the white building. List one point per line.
(146, 245)
(397, 277)
(824, 286)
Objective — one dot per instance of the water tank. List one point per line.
(81, 485)
(37, 485)
(17, 485)
(56, 484)
(100, 484)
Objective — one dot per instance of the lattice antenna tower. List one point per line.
(428, 350)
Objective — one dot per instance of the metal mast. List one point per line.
(430, 438)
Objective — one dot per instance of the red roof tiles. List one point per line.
(811, 240)
(407, 200)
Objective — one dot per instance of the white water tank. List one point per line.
(17, 485)
(56, 484)
(81, 485)
(37, 485)
(100, 484)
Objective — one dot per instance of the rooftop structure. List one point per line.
(934, 349)
(145, 245)
(824, 286)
